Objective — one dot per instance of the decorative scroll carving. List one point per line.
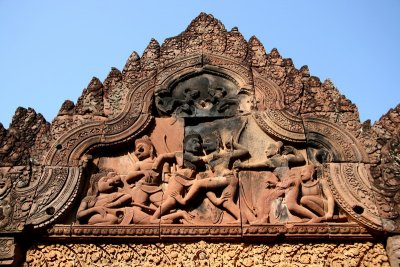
(57, 189)
(239, 145)
(241, 72)
(281, 125)
(181, 66)
(71, 146)
(350, 185)
(343, 145)
(209, 254)
(17, 188)
(61, 152)
(268, 94)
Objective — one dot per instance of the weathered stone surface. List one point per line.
(21, 144)
(393, 250)
(209, 254)
(17, 191)
(209, 137)
(386, 171)
(9, 254)
(114, 93)
(91, 100)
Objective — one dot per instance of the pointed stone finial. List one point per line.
(236, 45)
(205, 23)
(113, 76)
(257, 53)
(132, 64)
(275, 58)
(151, 54)
(314, 81)
(305, 72)
(91, 100)
(94, 84)
(67, 108)
(152, 50)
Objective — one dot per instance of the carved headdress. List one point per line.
(147, 141)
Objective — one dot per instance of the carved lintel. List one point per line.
(208, 254)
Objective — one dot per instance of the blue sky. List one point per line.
(50, 50)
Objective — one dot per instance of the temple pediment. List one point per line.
(205, 137)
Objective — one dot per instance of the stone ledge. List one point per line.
(170, 232)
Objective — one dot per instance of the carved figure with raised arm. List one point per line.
(277, 155)
(218, 160)
(187, 164)
(143, 183)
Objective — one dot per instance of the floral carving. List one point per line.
(208, 254)
(209, 137)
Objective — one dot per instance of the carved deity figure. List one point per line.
(104, 203)
(276, 159)
(143, 183)
(316, 200)
(220, 102)
(187, 166)
(315, 194)
(218, 160)
(168, 104)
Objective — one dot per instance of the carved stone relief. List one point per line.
(206, 136)
(216, 174)
(205, 95)
(17, 190)
(208, 254)
(393, 250)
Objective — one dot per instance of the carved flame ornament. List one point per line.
(206, 137)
